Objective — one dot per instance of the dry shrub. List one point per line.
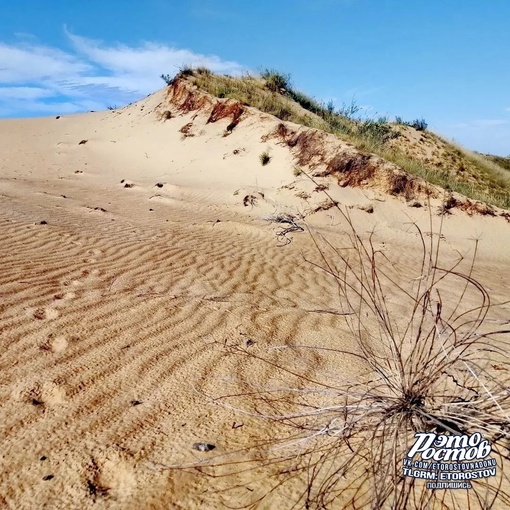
(449, 202)
(350, 169)
(282, 131)
(166, 115)
(426, 372)
(186, 130)
(306, 144)
(303, 195)
(321, 187)
(402, 184)
(325, 205)
(482, 208)
(288, 224)
(249, 200)
(308, 148)
(227, 110)
(187, 98)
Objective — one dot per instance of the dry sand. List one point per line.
(117, 303)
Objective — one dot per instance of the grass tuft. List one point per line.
(264, 158)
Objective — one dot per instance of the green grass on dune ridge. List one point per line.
(479, 177)
(499, 160)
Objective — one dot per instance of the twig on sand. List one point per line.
(292, 226)
(114, 279)
(330, 311)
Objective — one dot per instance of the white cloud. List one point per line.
(24, 93)
(92, 73)
(147, 59)
(26, 63)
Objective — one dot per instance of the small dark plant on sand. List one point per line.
(264, 158)
(167, 78)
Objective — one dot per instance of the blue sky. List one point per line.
(444, 60)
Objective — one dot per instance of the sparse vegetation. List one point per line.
(184, 70)
(276, 81)
(418, 124)
(203, 70)
(503, 162)
(167, 78)
(187, 70)
(455, 169)
(375, 134)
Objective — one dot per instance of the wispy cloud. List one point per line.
(26, 63)
(36, 78)
(481, 123)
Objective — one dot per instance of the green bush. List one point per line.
(418, 124)
(276, 81)
(167, 79)
(377, 132)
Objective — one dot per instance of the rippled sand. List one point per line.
(120, 304)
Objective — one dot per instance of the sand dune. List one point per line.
(129, 263)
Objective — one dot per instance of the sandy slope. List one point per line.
(118, 303)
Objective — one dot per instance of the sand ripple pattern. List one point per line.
(112, 331)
